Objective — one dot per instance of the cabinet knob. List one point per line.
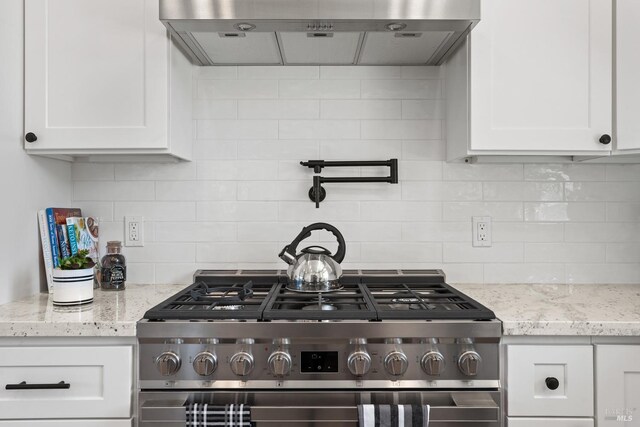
(605, 139)
(31, 137)
(552, 383)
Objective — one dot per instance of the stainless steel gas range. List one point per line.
(388, 337)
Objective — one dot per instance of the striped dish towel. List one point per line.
(205, 415)
(393, 415)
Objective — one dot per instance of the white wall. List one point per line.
(27, 183)
(245, 195)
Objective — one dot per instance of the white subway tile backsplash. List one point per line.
(623, 252)
(245, 194)
(92, 171)
(157, 211)
(195, 231)
(215, 109)
(237, 89)
(236, 211)
(524, 191)
(498, 252)
(401, 89)
(407, 252)
(237, 129)
(401, 129)
(475, 172)
(277, 150)
(279, 109)
(357, 149)
(564, 172)
(319, 129)
(360, 72)
(563, 252)
(215, 149)
(237, 170)
(524, 273)
(269, 72)
(499, 211)
(555, 212)
(360, 109)
(113, 190)
(319, 89)
(155, 172)
(195, 190)
(623, 212)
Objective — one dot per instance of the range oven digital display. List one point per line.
(318, 361)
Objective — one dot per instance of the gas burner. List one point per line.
(322, 305)
(221, 295)
(410, 304)
(228, 307)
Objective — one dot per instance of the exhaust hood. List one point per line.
(319, 32)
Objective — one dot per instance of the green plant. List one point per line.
(78, 261)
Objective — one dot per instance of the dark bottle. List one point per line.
(113, 268)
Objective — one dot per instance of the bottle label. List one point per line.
(115, 275)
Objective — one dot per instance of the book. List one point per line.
(58, 216)
(63, 241)
(83, 234)
(46, 248)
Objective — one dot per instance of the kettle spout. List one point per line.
(286, 256)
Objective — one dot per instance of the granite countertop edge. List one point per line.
(524, 309)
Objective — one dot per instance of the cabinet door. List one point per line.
(66, 423)
(65, 382)
(541, 76)
(549, 422)
(95, 74)
(627, 72)
(618, 385)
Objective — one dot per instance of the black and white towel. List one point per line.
(393, 415)
(205, 415)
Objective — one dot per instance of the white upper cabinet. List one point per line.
(102, 77)
(534, 78)
(627, 72)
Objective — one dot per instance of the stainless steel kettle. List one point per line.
(314, 269)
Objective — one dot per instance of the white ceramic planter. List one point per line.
(73, 287)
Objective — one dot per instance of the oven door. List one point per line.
(324, 408)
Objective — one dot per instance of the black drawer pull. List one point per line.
(24, 386)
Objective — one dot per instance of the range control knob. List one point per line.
(396, 363)
(205, 363)
(241, 363)
(359, 362)
(279, 363)
(432, 363)
(168, 363)
(469, 363)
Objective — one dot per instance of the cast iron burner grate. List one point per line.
(349, 303)
(222, 300)
(413, 299)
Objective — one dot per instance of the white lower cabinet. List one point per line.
(549, 385)
(45, 384)
(549, 422)
(618, 385)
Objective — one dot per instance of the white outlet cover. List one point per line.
(481, 231)
(129, 240)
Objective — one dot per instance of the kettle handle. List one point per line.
(289, 251)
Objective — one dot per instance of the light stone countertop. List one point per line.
(574, 310)
(580, 310)
(112, 313)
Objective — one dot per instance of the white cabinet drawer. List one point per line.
(99, 381)
(549, 422)
(63, 423)
(529, 367)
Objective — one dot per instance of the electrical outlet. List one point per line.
(481, 231)
(133, 231)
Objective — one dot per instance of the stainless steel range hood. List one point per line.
(319, 32)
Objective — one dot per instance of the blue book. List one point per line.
(71, 231)
(53, 237)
